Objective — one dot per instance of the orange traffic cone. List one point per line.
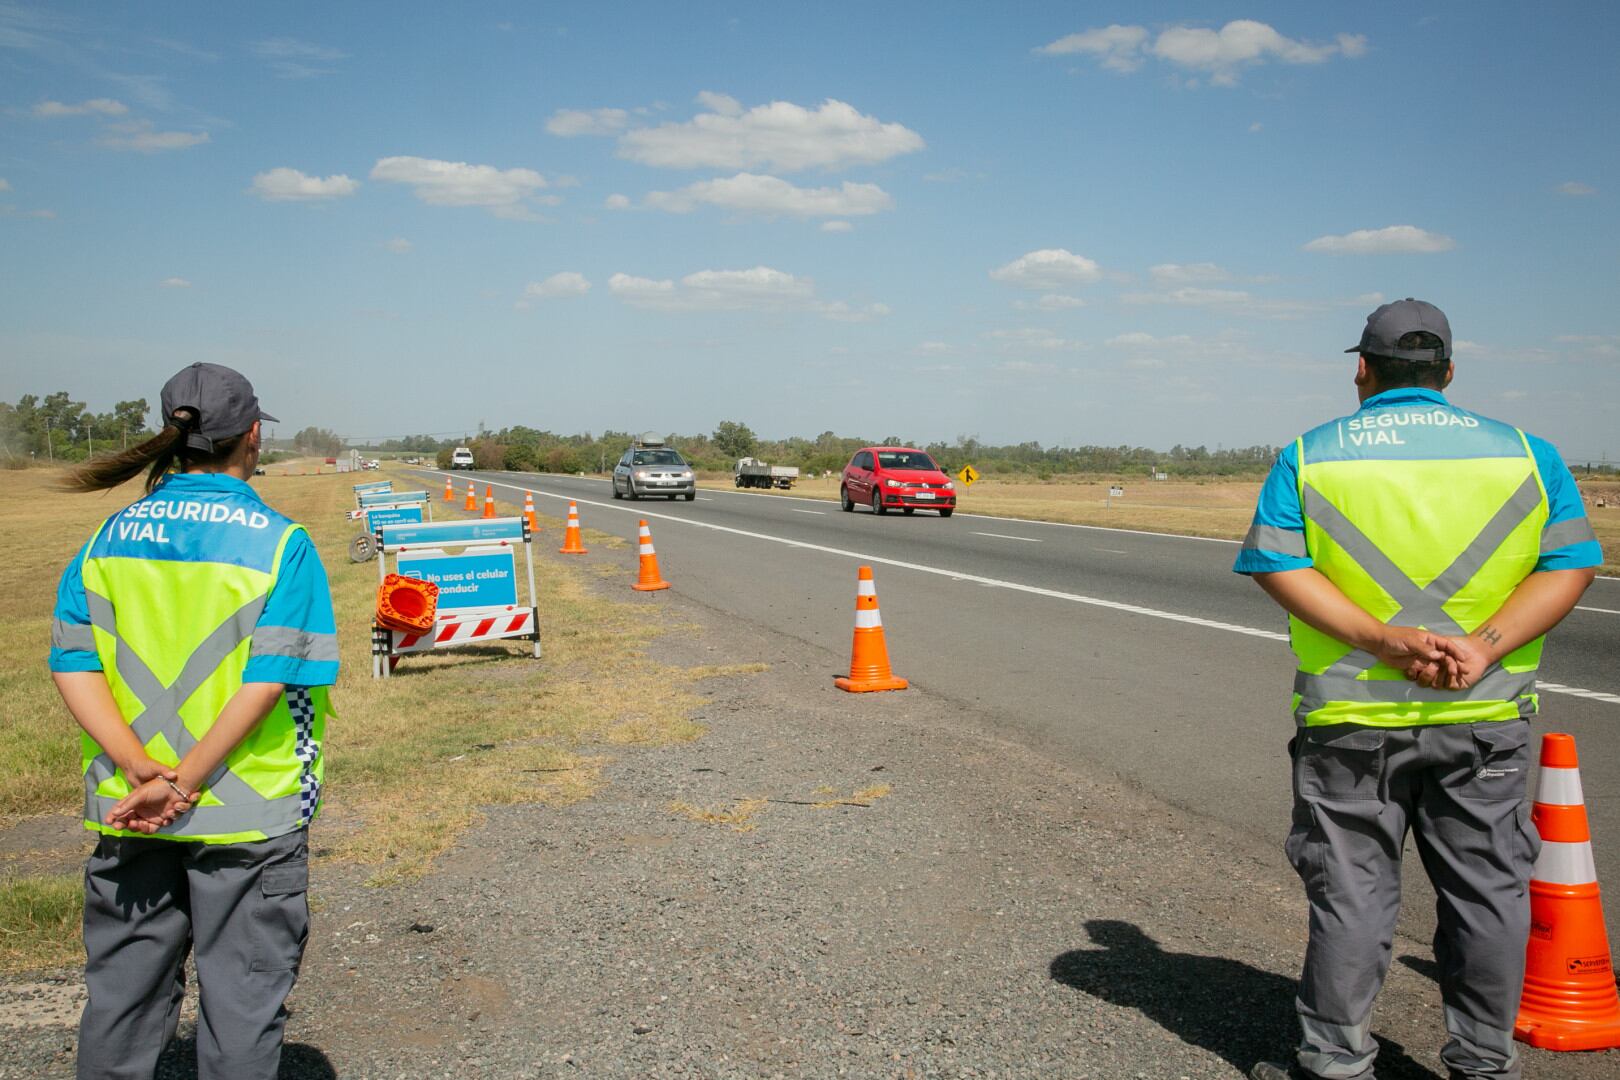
(869, 655)
(407, 604)
(571, 538)
(1570, 1001)
(649, 581)
(528, 511)
(489, 501)
(449, 490)
(472, 498)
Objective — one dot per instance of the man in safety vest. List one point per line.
(1422, 552)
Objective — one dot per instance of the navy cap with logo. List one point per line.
(222, 400)
(1393, 321)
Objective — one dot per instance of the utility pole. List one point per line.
(49, 453)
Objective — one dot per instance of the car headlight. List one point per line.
(686, 476)
(949, 486)
(893, 483)
(641, 474)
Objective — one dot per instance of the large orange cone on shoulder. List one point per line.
(572, 544)
(528, 511)
(649, 580)
(407, 604)
(472, 498)
(1570, 1001)
(869, 655)
(489, 501)
(449, 490)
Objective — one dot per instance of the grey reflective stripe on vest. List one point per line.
(293, 642)
(1419, 606)
(1271, 538)
(243, 808)
(1564, 533)
(73, 637)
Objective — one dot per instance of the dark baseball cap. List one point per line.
(222, 399)
(1391, 322)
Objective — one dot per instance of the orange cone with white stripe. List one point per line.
(472, 498)
(489, 500)
(649, 581)
(1570, 1001)
(449, 490)
(869, 654)
(528, 511)
(572, 544)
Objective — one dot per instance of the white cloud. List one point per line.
(1190, 296)
(1050, 302)
(1116, 47)
(1575, 187)
(289, 185)
(1049, 269)
(571, 122)
(5, 185)
(1184, 273)
(291, 58)
(400, 246)
(456, 183)
(1391, 240)
(758, 289)
(566, 284)
(140, 137)
(51, 110)
(933, 348)
(1033, 337)
(617, 202)
(724, 104)
(174, 283)
(1026, 367)
(781, 136)
(837, 226)
(1217, 54)
(772, 196)
(1255, 127)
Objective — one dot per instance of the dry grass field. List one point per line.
(409, 759)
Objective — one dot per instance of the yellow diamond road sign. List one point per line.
(968, 475)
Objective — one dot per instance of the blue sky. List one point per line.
(1055, 222)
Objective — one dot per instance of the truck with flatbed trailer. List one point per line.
(751, 472)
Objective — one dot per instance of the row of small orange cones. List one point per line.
(869, 652)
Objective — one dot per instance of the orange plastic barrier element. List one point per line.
(489, 501)
(472, 498)
(572, 544)
(869, 654)
(528, 511)
(1570, 1001)
(407, 604)
(449, 490)
(650, 581)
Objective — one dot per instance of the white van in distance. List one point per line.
(461, 458)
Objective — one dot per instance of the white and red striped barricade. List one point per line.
(474, 564)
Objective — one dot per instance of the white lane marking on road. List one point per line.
(1004, 536)
(704, 498)
(1604, 610)
(1015, 586)
(1114, 551)
(818, 513)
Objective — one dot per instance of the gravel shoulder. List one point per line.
(963, 908)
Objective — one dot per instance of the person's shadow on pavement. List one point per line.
(299, 1061)
(1235, 1011)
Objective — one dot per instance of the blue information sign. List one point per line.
(467, 581)
(378, 516)
(374, 498)
(440, 533)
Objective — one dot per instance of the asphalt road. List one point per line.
(1139, 652)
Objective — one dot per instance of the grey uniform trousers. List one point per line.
(1460, 789)
(242, 909)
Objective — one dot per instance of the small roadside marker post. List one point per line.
(1114, 492)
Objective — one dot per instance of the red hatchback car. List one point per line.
(896, 477)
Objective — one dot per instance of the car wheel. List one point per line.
(877, 502)
(630, 490)
(844, 502)
(690, 495)
(614, 484)
(909, 509)
(946, 513)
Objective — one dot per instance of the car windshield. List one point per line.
(656, 457)
(906, 459)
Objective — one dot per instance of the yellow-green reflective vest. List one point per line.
(173, 599)
(1424, 515)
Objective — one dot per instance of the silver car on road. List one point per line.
(653, 470)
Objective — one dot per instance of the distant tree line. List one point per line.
(57, 428)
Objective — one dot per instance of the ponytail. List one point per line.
(159, 454)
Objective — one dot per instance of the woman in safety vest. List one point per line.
(193, 641)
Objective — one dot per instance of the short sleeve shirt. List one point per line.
(1276, 539)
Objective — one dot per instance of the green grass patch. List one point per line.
(40, 918)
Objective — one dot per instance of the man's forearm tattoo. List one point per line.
(1490, 635)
